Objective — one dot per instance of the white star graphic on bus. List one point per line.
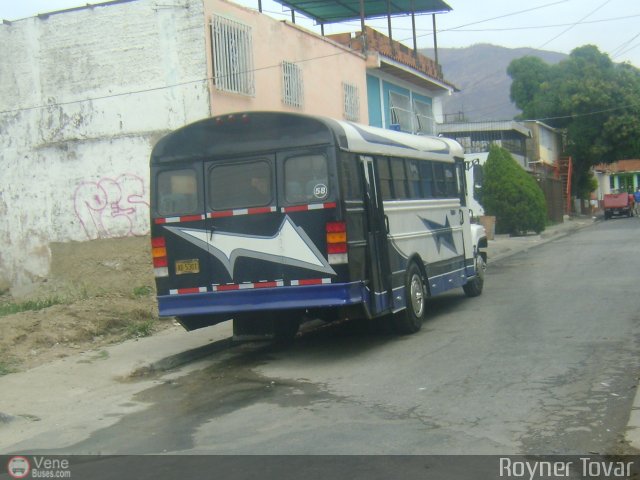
(290, 246)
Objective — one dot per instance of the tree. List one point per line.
(595, 100)
(512, 195)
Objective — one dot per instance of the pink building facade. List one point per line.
(258, 63)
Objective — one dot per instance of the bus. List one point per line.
(269, 218)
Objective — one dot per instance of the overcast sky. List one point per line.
(557, 25)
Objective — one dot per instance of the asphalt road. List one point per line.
(545, 361)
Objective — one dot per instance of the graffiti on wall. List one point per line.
(112, 207)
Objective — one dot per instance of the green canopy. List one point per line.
(332, 11)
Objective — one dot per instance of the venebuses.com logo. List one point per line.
(38, 467)
(18, 467)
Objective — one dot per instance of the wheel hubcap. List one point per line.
(417, 295)
(480, 267)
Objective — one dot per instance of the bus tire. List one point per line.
(410, 319)
(285, 328)
(473, 288)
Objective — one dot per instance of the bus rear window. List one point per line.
(306, 178)
(177, 192)
(240, 185)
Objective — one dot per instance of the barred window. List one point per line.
(351, 102)
(292, 86)
(232, 56)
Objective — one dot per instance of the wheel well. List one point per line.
(482, 248)
(415, 258)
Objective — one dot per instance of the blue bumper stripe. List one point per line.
(280, 298)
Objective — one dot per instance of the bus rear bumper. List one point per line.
(252, 300)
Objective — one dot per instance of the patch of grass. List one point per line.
(140, 328)
(8, 365)
(101, 355)
(5, 369)
(142, 291)
(30, 305)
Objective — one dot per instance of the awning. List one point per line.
(332, 11)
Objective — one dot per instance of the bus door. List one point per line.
(315, 244)
(181, 261)
(378, 267)
(243, 223)
(465, 213)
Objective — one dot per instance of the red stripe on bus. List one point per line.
(191, 218)
(253, 211)
(186, 218)
(298, 208)
(310, 281)
(226, 213)
(313, 206)
(222, 288)
(265, 285)
(182, 291)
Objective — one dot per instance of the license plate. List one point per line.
(187, 266)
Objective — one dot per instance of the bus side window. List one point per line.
(384, 173)
(426, 179)
(399, 176)
(177, 192)
(349, 169)
(440, 189)
(450, 181)
(413, 179)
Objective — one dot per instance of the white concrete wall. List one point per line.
(84, 95)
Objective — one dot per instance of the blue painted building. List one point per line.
(404, 88)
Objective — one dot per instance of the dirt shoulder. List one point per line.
(97, 293)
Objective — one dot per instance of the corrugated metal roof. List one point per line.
(332, 11)
(493, 126)
(621, 166)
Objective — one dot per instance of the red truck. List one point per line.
(617, 204)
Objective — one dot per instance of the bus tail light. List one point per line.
(337, 243)
(159, 254)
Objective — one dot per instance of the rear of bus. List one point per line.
(246, 223)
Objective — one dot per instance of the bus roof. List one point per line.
(379, 141)
(251, 132)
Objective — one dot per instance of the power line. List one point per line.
(586, 114)
(573, 25)
(538, 27)
(622, 48)
(632, 47)
(498, 17)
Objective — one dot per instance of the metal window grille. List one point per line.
(424, 117)
(292, 86)
(232, 56)
(401, 113)
(351, 102)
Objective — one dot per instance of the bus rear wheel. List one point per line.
(473, 288)
(410, 319)
(285, 327)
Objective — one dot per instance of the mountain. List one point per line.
(480, 72)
